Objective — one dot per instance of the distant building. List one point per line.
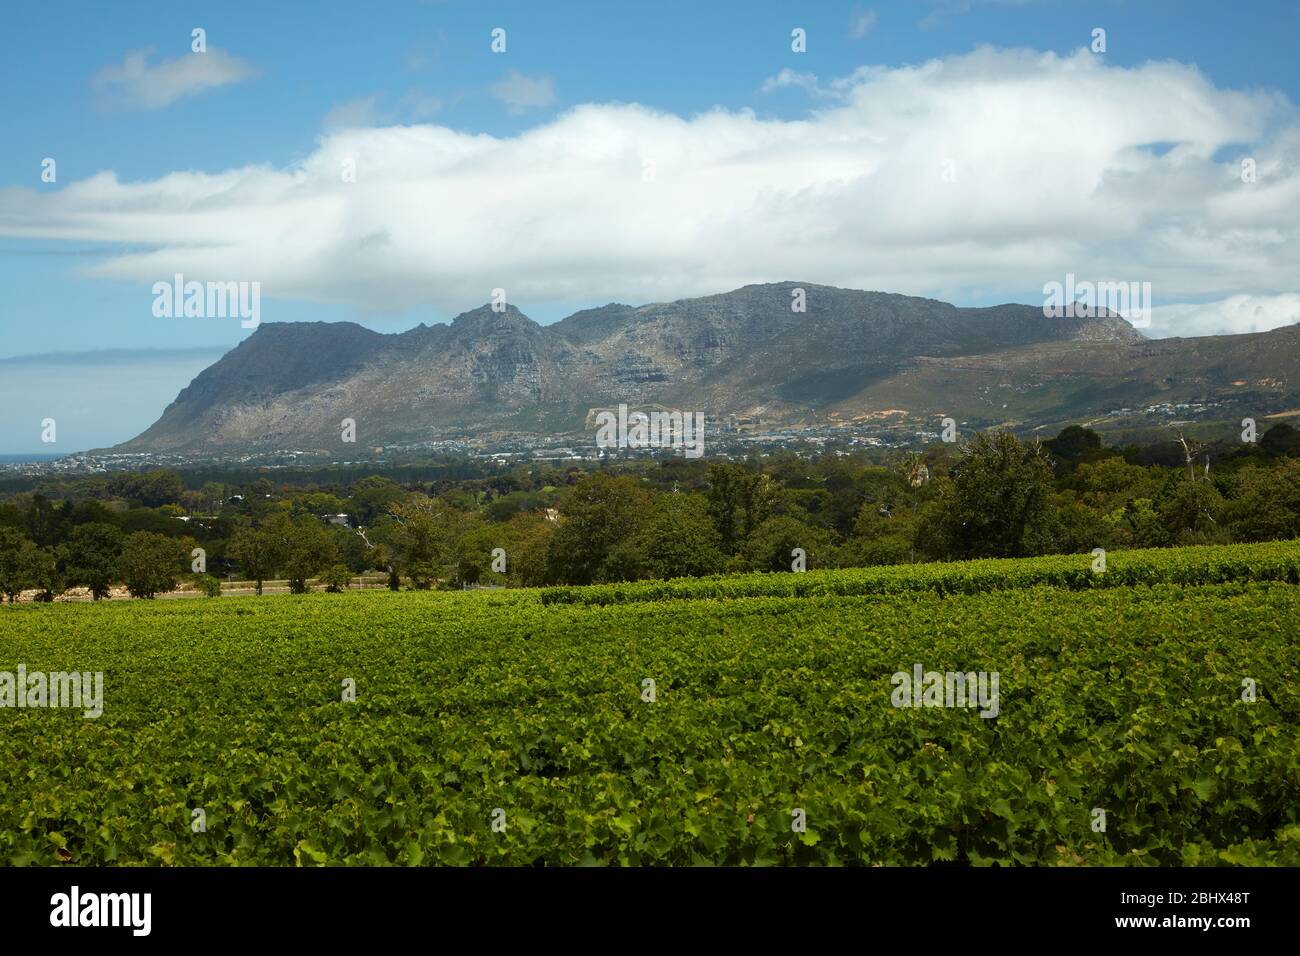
(340, 521)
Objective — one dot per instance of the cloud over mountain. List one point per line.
(989, 173)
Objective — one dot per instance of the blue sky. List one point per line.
(303, 80)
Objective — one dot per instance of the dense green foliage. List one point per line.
(1210, 564)
(150, 562)
(1126, 699)
(992, 495)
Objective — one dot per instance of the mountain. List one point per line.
(850, 355)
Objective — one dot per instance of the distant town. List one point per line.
(733, 437)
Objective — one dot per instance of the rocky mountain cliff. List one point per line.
(742, 353)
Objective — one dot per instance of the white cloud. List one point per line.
(1238, 313)
(137, 83)
(861, 22)
(1053, 175)
(521, 93)
(352, 114)
(365, 111)
(793, 78)
(840, 88)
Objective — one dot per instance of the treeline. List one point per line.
(992, 496)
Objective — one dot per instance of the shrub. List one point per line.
(208, 585)
(336, 578)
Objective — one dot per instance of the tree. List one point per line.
(14, 563)
(151, 564)
(915, 473)
(257, 551)
(151, 489)
(881, 535)
(596, 515)
(424, 538)
(384, 560)
(623, 562)
(321, 503)
(678, 539)
(739, 501)
(206, 583)
(306, 548)
(526, 562)
(1190, 511)
(41, 569)
(150, 519)
(867, 552)
(1144, 525)
(1281, 440)
(351, 548)
(46, 520)
(1267, 504)
(1073, 445)
(1112, 482)
(473, 554)
(90, 557)
(11, 516)
(336, 578)
(997, 504)
(1076, 528)
(847, 487)
(724, 501)
(771, 546)
(371, 499)
(513, 503)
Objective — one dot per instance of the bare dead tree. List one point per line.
(1190, 451)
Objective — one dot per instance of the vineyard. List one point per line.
(1148, 715)
(1218, 564)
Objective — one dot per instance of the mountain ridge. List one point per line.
(739, 353)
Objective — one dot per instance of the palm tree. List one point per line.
(915, 471)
